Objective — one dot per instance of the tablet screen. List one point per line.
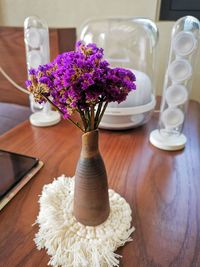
(13, 167)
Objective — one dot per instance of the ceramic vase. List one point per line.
(91, 201)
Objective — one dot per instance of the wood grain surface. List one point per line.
(162, 189)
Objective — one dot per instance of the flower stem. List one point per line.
(98, 113)
(76, 124)
(83, 119)
(92, 118)
(87, 116)
(101, 115)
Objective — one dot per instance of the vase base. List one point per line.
(69, 241)
(93, 222)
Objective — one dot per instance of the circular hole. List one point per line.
(34, 59)
(176, 95)
(172, 117)
(179, 70)
(33, 38)
(184, 43)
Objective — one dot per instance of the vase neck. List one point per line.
(90, 144)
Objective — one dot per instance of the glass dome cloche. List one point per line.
(129, 43)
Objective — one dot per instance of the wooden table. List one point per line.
(163, 189)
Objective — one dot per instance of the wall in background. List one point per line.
(68, 13)
(72, 13)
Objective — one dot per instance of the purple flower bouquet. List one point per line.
(81, 81)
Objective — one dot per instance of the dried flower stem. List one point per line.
(101, 115)
(87, 116)
(92, 118)
(76, 124)
(98, 113)
(85, 124)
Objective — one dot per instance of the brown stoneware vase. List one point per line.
(91, 201)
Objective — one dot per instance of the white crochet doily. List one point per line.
(71, 244)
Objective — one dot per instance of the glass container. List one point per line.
(177, 84)
(129, 43)
(36, 38)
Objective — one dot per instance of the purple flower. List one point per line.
(79, 80)
(28, 83)
(32, 71)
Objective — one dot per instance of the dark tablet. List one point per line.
(13, 167)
